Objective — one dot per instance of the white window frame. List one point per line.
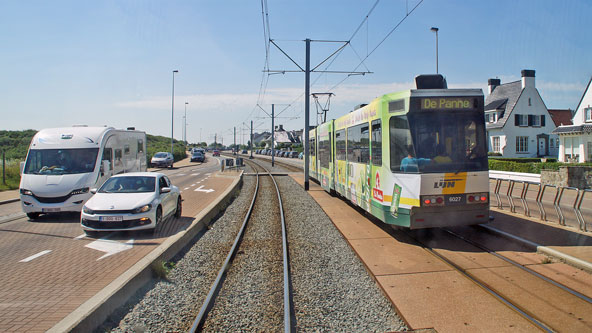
(521, 144)
(496, 144)
(588, 115)
(523, 120)
(536, 120)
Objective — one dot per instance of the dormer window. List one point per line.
(588, 115)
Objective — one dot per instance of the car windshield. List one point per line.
(197, 153)
(160, 155)
(129, 184)
(61, 161)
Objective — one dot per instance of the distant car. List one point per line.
(301, 155)
(198, 156)
(293, 154)
(162, 159)
(216, 153)
(244, 151)
(131, 201)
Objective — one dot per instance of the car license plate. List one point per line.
(110, 218)
(50, 210)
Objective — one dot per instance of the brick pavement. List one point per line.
(37, 294)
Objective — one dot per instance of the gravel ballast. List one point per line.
(332, 291)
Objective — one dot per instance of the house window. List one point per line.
(487, 118)
(496, 144)
(589, 158)
(529, 102)
(572, 148)
(522, 144)
(588, 115)
(536, 120)
(551, 144)
(521, 120)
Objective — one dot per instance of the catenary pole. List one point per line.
(251, 141)
(272, 134)
(306, 113)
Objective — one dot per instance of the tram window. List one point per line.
(312, 147)
(340, 145)
(400, 141)
(358, 144)
(325, 153)
(376, 142)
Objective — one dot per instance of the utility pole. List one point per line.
(236, 150)
(251, 141)
(272, 134)
(306, 114)
(307, 70)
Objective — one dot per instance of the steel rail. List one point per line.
(508, 260)
(523, 312)
(209, 301)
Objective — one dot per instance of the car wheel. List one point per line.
(179, 208)
(158, 215)
(32, 216)
(92, 234)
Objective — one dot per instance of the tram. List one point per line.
(415, 158)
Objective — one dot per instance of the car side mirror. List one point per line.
(93, 190)
(22, 167)
(165, 190)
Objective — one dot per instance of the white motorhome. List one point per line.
(63, 164)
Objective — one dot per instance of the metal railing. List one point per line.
(529, 182)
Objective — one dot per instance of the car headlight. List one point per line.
(80, 191)
(87, 210)
(26, 192)
(142, 209)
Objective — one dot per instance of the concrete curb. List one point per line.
(570, 260)
(97, 309)
(9, 201)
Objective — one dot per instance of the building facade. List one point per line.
(575, 141)
(517, 121)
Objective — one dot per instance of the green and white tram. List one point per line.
(415, 158)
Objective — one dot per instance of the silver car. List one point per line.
(131, 201)
(162, 160)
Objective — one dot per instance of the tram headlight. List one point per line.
(432, 200)
(474, 198)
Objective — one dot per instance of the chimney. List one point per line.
(493, 83)
(528, 78)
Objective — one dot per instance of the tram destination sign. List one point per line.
(448, 103)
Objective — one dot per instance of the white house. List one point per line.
(575, 141)
(517, 121)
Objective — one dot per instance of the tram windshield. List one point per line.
(61, 161)
(438, 142)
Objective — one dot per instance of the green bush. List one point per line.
(13, 176)
(528, 166)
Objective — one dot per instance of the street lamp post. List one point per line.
(173, 112)
(185, 125)
(434, 29)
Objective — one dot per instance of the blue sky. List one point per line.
(110, 62)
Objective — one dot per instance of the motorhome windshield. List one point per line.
(61, 161)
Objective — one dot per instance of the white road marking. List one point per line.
(195, 174)
(111, 247)
(192, 185)
(181, 174)
(201, 189)
(35, 256)
(209, 173)
(185, 189)
(80, 237)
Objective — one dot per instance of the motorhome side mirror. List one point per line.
(165, 190)
(93, 190)
(22, 167)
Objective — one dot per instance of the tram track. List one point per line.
(255, 273)
(547, 304)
